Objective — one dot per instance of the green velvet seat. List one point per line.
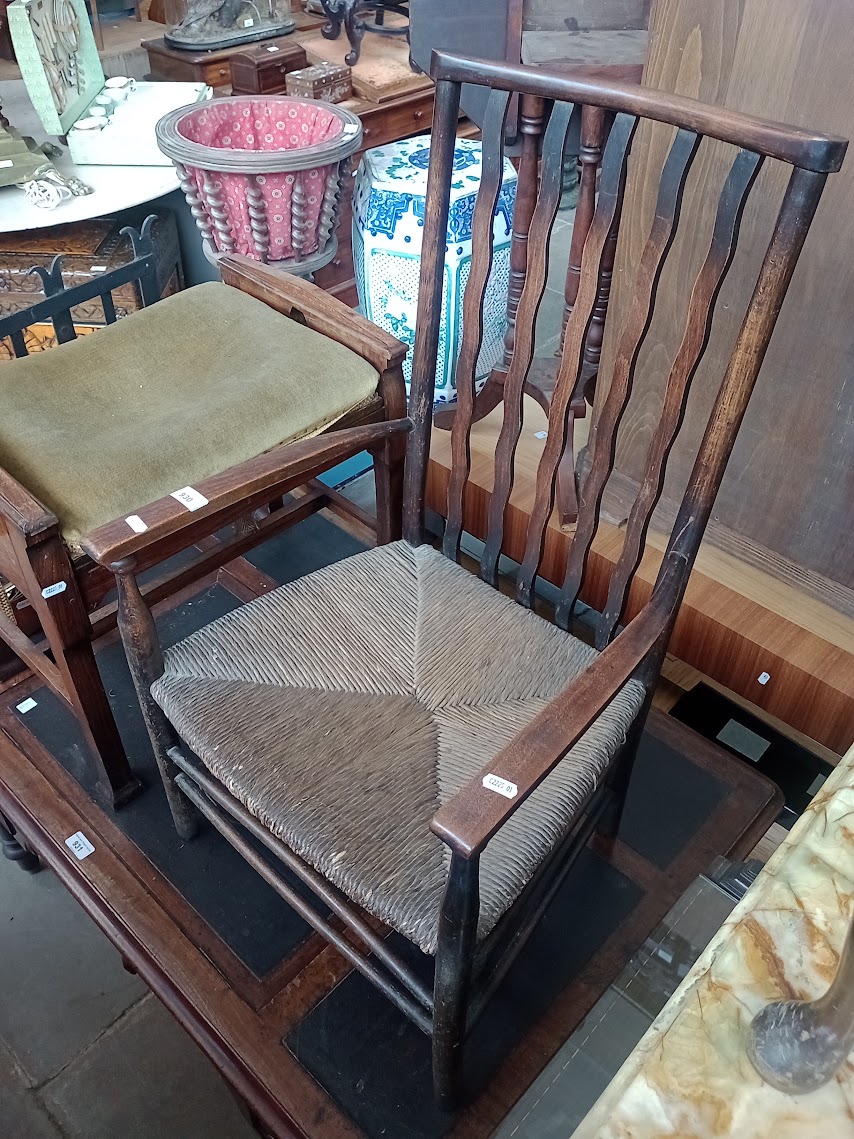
(202, 380)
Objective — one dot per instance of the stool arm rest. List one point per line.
(23, 509)
(321, 312)
(470, 818)
(170, 526)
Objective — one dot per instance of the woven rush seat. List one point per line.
(203, 380)
(344, 708)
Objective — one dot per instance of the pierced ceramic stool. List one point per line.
(388, 219)
(263, 176)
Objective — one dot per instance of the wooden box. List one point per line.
(64, 99)
(330, 82)
(261, 70)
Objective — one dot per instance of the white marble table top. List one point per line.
(115, 187)
(689, 1076)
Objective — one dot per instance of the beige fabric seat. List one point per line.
(344, 708)
(186, 388)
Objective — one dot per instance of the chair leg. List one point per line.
(49, 584)
(620, 777)
(116, 782)
(145, 660)
(388, 475)
(566, 494)
(454, 956)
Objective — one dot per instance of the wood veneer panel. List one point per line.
(790, 483)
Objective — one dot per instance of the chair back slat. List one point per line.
(698, 324)
(492, 167)
(545, 211)
(616, 111)
(425, 351)
(604, 442)
(611, 190)
(800, 202)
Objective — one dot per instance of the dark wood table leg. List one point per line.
(15, 851)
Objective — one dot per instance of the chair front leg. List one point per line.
(458, 920)
(145, 660)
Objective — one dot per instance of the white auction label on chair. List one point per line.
(190, 498)
(52, 590)
(502, 786)
(80, 845)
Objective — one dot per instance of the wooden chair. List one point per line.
(409, 741)
(192, 390)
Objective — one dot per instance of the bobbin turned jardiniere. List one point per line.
(262, 176)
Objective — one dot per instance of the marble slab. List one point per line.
(689, 1076)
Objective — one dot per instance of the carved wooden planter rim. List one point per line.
(180, 149)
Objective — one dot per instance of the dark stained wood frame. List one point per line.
(466, 972)
(52, 635)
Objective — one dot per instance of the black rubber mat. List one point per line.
(376, 1064)
(798, 772)
(243, 910)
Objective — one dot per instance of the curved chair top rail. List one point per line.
(805, 149)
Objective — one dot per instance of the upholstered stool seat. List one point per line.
(175, 393)
(344, 708)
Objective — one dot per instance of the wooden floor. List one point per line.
(736, 622)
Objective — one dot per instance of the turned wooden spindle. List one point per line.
(798, 1046)
(530, 130)
(589, 159)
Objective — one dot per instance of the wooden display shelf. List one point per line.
(737, 621)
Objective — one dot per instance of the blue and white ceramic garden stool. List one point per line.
(388, 220)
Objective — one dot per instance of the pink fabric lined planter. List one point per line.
(262, 175)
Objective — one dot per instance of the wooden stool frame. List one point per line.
(33, 556)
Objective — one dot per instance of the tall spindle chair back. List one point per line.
(753, 141)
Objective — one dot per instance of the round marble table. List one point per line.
(115, 187)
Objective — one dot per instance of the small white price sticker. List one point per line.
(52, 590)
(136, 524)
(190, 498)
(80, 845)
(26, 705)
(764, 677)
(272, 47)
(501, 786)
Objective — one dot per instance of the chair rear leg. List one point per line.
(454, 956)
(116, 784)
(388, 473)
(620, 776)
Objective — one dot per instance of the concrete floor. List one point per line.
(85, 1051)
